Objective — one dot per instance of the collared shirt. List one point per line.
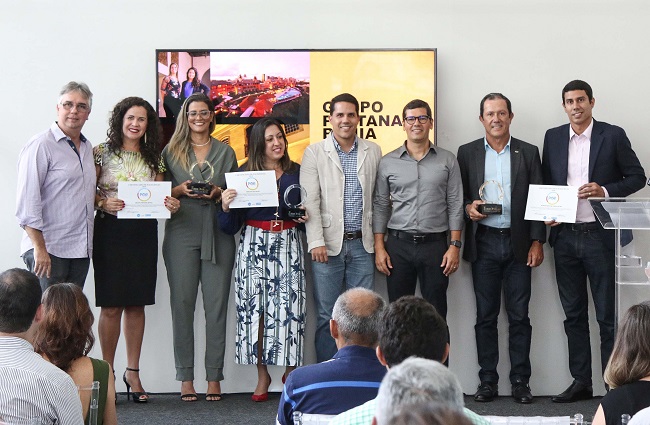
(497, 168)
(424, 196)
(56, 193)
(362, 415)
(32, 388)
(578, 170)
(352, 192)
(349, 379)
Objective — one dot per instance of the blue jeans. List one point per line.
(580, 254)
(73, 270)
(354, 267)
(494, 270)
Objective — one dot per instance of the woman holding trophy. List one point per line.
(270, 276)
(194, 249)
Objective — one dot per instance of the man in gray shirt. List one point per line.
(418, 199)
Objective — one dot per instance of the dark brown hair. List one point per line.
(257, 146)
(149, 143)
(65, 333)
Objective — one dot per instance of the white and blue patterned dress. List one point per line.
(270, 283)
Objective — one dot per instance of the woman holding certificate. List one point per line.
(270, 274)
(125, 251)
(194, 249)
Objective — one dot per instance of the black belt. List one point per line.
(493, 230)
(582, 227)
(350, 236)
(417, 237)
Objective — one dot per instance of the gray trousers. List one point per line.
(185, 271)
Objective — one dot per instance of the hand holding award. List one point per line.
(201, 185)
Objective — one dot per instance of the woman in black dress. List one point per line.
(125, 251)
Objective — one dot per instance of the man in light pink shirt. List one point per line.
(56, 193)
(598, 159)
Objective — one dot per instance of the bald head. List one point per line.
(357, 313)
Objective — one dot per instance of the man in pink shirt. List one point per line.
(598, 159)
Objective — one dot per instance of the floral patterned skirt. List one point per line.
(270, 284)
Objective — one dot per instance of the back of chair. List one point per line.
(300, 418)
(94, 401)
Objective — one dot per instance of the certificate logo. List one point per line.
(252, 183)
(552, 198)
(144, 194)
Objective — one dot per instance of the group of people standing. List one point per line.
(402, 214)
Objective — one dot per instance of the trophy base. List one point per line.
(295, 212)
(200, 188)
(490, 209)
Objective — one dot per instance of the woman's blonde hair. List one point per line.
(630, 359)
(179, 144)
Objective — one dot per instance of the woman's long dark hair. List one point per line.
(149, 144)
(257, 146)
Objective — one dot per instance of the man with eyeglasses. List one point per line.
(56, 193)
(502, 247)
(418, 201)
(338, 174)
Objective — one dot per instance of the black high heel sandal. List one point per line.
(138, 397)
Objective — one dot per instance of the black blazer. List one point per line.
(525, 169)
(612, 164)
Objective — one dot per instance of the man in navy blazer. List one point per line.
(597, 158)
(503, 248)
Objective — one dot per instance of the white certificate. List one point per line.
(254, 189)
(144, 199)
(546, 203)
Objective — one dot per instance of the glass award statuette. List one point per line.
(491, 193)
(199, 184)
(294, 209)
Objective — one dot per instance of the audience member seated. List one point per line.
(628, 370)
(65, 337)
(416, 381)
(353, 375)
(429, 414)
(409, 327)
(32, 390)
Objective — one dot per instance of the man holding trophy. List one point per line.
(503, 247)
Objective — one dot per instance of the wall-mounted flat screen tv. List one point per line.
(295, 86)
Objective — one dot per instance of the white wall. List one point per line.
(526, 49)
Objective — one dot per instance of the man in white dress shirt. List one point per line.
(31, 388)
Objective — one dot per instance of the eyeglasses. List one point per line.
(81, 107)
(193, 114)
(422, 118)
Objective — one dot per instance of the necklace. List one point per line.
(200, 144)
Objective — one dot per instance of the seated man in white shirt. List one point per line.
(409, 327)
(31, 388)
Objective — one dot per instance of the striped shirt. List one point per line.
(32, 388)
(352, 192)
(56, 193)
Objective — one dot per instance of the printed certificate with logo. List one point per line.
(144, 199)
(254, 189)
(547, 202)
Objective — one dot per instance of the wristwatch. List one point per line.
(100, 204)
(457, 244)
